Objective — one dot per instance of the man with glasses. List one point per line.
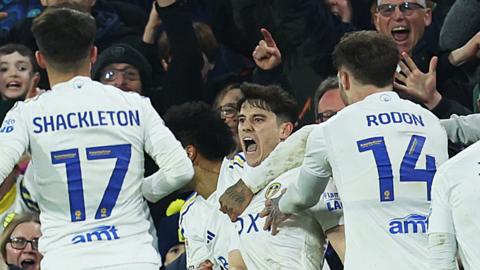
(415, 29)
(123, 67)
(328, 100)
(404, 21)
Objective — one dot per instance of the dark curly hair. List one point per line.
(197, 124)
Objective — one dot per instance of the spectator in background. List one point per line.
(123, 67)
(415, 29)
(17, 75)
(305, 32)
(17, 10)
(110, 20)
(341, 8)
(226, 103)
(327, 100)
(19, 242)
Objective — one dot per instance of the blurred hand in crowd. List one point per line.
(341, 8)
(468, 52)
(267, 55)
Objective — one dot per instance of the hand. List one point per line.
(235, 199)
(206, 265)
(341, 8)
(467, 52)
(273, 214)
(3, 15)
(267, 55)
(421, 86)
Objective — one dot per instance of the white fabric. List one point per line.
(462, 129)
(442, 248)
(299, 243)
(208, 233)
(455, 203)
(75, 117)
(388, 234)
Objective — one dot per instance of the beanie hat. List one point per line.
(124, 53)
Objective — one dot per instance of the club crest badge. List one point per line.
(272, 190)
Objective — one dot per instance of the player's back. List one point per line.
(87, 143)
(383, 168)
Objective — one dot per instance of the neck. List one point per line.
(56, 77)
(366, 90)
(206, 177)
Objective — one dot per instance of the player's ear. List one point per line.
(40, 60)
(191, 152)
(344, 80)
(93, 54)
(285, 130)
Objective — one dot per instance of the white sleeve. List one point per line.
(442, 245)
(314, 176)
(442, 250)
(175, 167)
(328, 211)
(287, 155)
(233, 238)
(440, 220)
(195, 246)
(14, 140)
(462, 129)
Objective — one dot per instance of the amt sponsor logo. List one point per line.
(102, 233)
(413, 223)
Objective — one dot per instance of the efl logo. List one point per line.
(8, 126)
(102, 233)
(413, 223)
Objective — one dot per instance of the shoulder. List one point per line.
(237, 162)
(461, 163)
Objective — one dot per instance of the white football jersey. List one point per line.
(455, 203)
(299, 243)
(383, 152)
(208, 233)
(87, 143)
(231, 171)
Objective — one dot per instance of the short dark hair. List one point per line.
(223, 92)
(270, 98)
(22, 50)
(197, 124)
(64, 35)
(326, 85)
(371, 57)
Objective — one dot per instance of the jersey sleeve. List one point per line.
(462, 129)
(316, 154)
(195, 246)
(175, 167)
(440, 220)
(328, 211)
(14, 140)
